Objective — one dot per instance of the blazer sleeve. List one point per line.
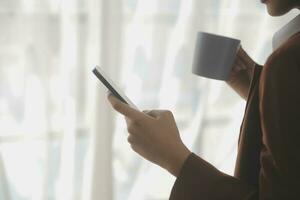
(279, 93)
(199, 180)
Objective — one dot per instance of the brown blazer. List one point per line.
(268, 161)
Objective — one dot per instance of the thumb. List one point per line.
(157, 113)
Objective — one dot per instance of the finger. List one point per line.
(158, 113)
(128, 121)
(152, 113)
(240, 65)
(243, 54)
(133, 128)
(135, 148)
(246, 58)
(131, 139)
(125, 109)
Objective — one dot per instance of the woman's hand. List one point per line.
(241, 74)
(154, 135)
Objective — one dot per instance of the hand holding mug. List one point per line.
(223, 58)
(241, 73)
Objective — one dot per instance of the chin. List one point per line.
(278, 10)
(277, 13)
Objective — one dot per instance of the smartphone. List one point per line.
(112, 87)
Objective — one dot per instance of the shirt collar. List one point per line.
(286, 32)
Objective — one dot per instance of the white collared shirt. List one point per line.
(286, 32)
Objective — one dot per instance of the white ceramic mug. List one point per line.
(214, 55)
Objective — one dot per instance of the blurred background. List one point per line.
(59, 139)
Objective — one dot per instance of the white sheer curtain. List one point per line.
(58, 137)
(159, 42)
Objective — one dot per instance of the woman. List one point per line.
(268, 164)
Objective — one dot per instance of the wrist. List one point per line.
(178, 160)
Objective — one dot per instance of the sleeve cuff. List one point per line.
(200, 180)
(193, 169)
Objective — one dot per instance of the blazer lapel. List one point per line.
(248, 162)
